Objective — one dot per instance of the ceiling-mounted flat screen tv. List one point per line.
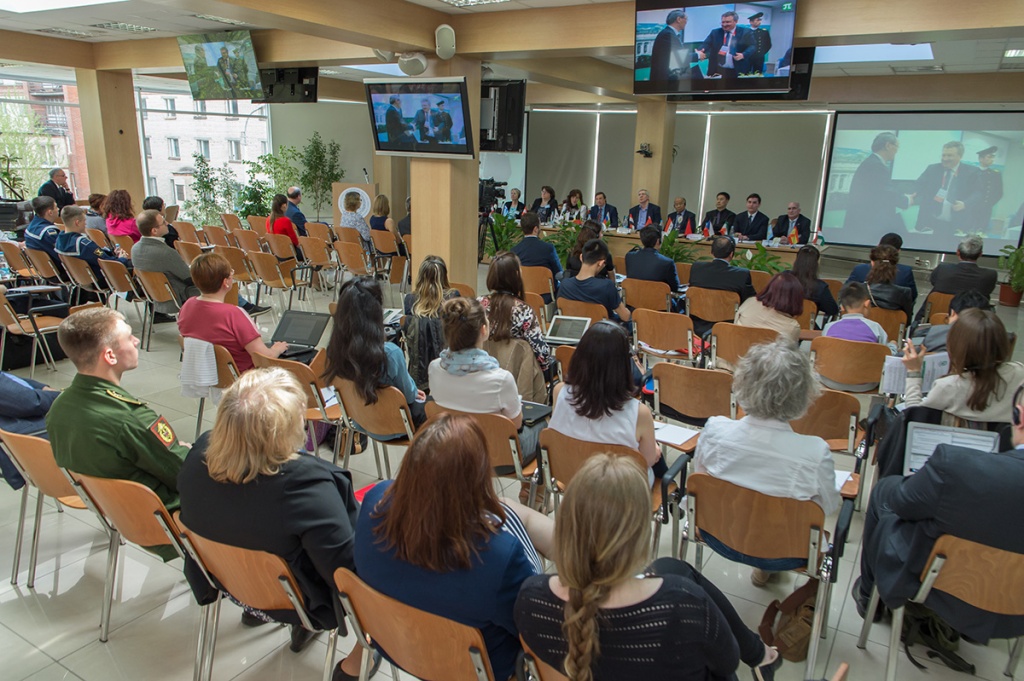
(221, 65)
(420, 117)
(707, 47)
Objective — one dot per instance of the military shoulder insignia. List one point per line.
(163, 431)
(124, 398)
(99, 252)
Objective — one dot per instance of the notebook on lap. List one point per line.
(300, 330)
(567, 330)
(923, 438)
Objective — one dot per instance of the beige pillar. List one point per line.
(391, 173)
(444, 192)
(656, 126)
(111, 132)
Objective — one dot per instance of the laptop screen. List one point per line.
(571, 328)
(301, 328)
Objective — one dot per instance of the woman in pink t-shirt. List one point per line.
(117, 209)
(210, 319)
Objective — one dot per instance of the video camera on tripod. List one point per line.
(489, 193)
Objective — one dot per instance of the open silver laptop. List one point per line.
(565, 330)
(923, 438)
(300, 330)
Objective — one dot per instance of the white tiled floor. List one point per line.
(50, 633)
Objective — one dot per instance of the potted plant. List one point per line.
(678, 251)
(759, 259)
(506, 234)
(1011, 259)
(563, 238)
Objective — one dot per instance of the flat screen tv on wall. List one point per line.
(221, 65)
(420, 117)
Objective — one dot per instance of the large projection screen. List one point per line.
(934, 178)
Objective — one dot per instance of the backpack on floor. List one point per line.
(922, 625)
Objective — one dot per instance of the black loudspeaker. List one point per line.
(289, 86)
(502, 113)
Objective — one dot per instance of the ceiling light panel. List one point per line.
(28, 6)
(471, 3)
(126, 28)
(220, 20)
(69, 32)
(1009, 54)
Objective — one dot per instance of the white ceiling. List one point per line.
(504, 6)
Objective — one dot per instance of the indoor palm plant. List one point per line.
(1011, 259)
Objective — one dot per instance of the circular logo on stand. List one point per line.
(365, 201)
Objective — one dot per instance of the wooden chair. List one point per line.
(648, 295)
(849, 362)
(683, 270)
(258, 579)
(130, 510)
(47, 270)
(763, 526)
(809, 314)
(280, 246)
(98, 237)
(257, 224)
(388, 416)
(33, 458)
(33, 325)
(893, 321)
(834, 287)
(216, 236)
(465, 290)
(281, 275)
(243, 273)
(712, 305)
(171, 213)
(231, 222)
(537, 669)
(939, 318)
(188, 250)
(536, 304)
(619, 261)
(16, 259)
(760, 280)
(833, 417)
(316, 253)
(350, 256)
(407, 240)
(83, 278)
(384, 249)
(248, 240)
(227, 374)
(664, 335)
(156, 289)
(348, 235)
(575, 308)
(563, 355)
(695, 395)
(123, 241)
(538, 280)
(120, 281)
(424, 645)
(982, 576)
(937, 303)
(730, 342)
(318, 230)
(187, 232)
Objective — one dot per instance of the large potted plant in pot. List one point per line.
(1011, 259)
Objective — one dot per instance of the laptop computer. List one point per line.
(923, 438)
(565, 330)
(534, 412)
(300, 330)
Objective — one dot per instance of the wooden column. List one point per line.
(111, 132)
(391, 173)
(655, 125)
(444, 193)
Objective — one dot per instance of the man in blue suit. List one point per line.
(904, 275)
(752, 224)
(728, 48)
(650, 265)
(23, 407)
(603, 212)
(533, 252)
(644, 213)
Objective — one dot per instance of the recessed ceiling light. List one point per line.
(121, 26)
(330, 72)
(1013, 53)
(69, 32)
(220, 20)
(26, 7)
(472, 3)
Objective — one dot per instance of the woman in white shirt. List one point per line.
(775, 384)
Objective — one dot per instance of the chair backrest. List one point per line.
(665, 331)
(186, 231)
(216, 236)
(227, 370)
(424, 645)
(465, 290)
(8, 317)
(834, 287)
(649, 295)
(939, 318)
(397, 272)
(247, 240)
(305, 376)
(893, 321)
(117, 276)
(753, 523)
(731, 341)
(937, 303)
(351, 256)
(833, 416)
(348, 235)
(499, 433)
(231, 221)
(80, 272)
(848, 362)
(315, 251)
(619, 261)
(538, 280)
(988, 578)
(98, 236)
(810, 312)
(697, 394)
(122, 240)
(318, 230)
(540, 670)
(239, 262)
(15, 258)
(171, 213)
(35, 456)
(683, 270)
(258, 224)
(156, 287)
(385, 417)
(42, 264)
(760, 280)
(383, 241)
(267, 269)
(712, 305)
(536, 304)
(407, 240)
(576, 308)
(188, 250)
(280, 245)
(563, 355)
(130, 507)
(566, 455)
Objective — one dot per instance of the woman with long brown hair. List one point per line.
(438, 538)
(573, 207)
(805, 268)
(421, 326)
(884, 292)
(508, 316)
(278, 222)
(602, 616)
(117, 209)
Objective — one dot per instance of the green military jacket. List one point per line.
(98, 428)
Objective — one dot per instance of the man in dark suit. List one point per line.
(720, 275)
(752, 224)
(947, 193)
(23, 407)
(424, 122)
(727, 49)
(681, 220)
(650, 265)
(904, 275)
(792, 228)
(57, 189)
(603, 212)
(959, 491)
(644, 213)
(393, 121)
(872, 201)
(667, 53)
(762, 40)
(721, 219)
(990, 188)
(966, 274)
(533, 252)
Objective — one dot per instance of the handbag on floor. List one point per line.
(791, 634)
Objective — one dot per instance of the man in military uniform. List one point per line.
(73, 243)
(96, 427)
(990, 188)
(762, 43)
(442, 123)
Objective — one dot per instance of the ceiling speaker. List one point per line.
(384, 55)
(444, 40)
(412, 63)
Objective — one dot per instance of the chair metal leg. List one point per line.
(34, 556)
(211, 639)
(366, 664)
(32, 371)
(656, 539)
(376, 456)
(894, 644)
(818, 624)
(1015, 654)
(387, 459)
(332, 643)
(20, 535)
(698, 557)
(337, 441)
(869, 618)
(197, 671)
(113, 549)
(199, 418)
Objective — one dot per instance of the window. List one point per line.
(232, 109)
(203, 147)
(169, 105)
(144, 108)
(200, 108)
(234, 150)
(149, 148)
(179, 193)
(263, 147)
(173, 151)
(151, 186)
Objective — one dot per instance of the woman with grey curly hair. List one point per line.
(775, 383)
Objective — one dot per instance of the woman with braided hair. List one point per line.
(603, 618)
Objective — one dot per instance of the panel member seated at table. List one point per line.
(545, 207)
(603, 212)
(587, 287)
(719, 274)
(644, 212)
(719, 220)
(681, 220)
(751, 224)
(532, 251)
(792, 228)
(648, 264)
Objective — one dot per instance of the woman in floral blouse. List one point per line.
(507, 314)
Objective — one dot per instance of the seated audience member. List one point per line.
(545, 207)
(854, 302)
(961, 492)
(57, 188)
(981, 375)
(792, 228)
(97, 427)
(805, 268)
(935, 337)
(603, 616)
(293, 212)
(776, 307)
(883, 292)
(350, 217)
(73, 243)
(597, 401)
(604, 213)
(963, 275)
(278, 222)
(574, 261)
(248, 484)
(421, 327)
(719, 274)
(117, 209)
(904, 275)
(93, 218)
(587, 287)
(437, 538)
(650, 265)
(23, 407)
(508, 317)
(775, 383)
(41, 233)
(380, 221)
(207, 317)
(534, 252)
(405, 224)
(157, 204)
(357, 350)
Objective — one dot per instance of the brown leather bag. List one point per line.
(792, 634)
